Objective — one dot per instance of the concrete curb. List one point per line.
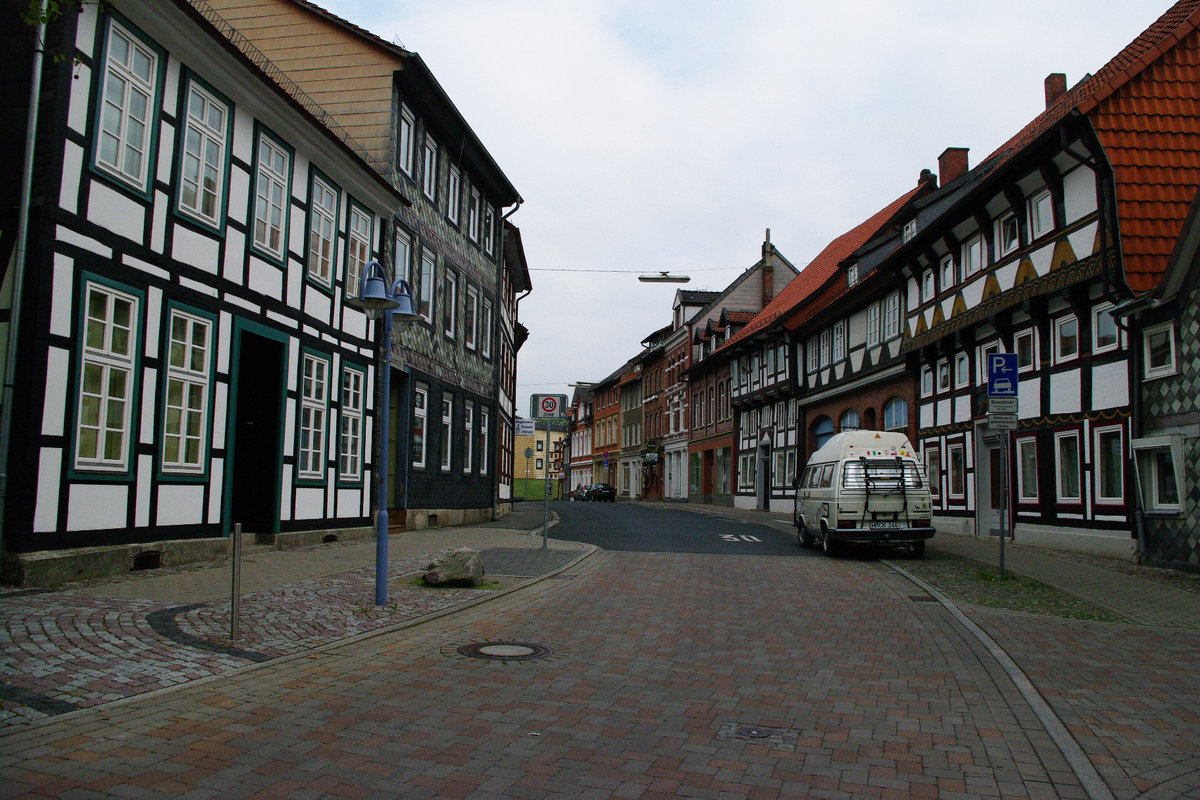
(586, 552)
(1075, 755)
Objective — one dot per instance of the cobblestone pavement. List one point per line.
(666, 680)
(103, 640)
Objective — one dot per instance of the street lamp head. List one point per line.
(664, 277)
(373, 297)
(404, 310)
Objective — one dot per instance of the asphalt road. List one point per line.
(631, 527)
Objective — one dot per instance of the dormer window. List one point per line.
(910, 230)
(852, 275)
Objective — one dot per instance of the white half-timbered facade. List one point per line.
(192, 362)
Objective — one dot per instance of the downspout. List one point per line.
(20, 256)
(1106, 203)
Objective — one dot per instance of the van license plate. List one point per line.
(882, 524)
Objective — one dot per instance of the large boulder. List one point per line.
(461, 567)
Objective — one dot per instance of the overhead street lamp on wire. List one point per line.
(664, 277)
(381, 301)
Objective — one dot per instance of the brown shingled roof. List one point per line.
(822, 268)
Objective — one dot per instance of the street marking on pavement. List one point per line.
(739, 537)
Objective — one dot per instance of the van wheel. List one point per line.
(828, 545)
(916, 549)
(806, 539)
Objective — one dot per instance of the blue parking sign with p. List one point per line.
(1002, 374)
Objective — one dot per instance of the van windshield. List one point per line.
(881, 475)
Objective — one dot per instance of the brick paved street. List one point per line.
(669, 678)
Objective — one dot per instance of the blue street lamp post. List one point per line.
(379, 301)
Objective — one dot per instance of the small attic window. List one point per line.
(910, 229)
(852, 275)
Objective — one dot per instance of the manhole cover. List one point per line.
(505, 651)
(750, 732)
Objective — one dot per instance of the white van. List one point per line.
(867, 487)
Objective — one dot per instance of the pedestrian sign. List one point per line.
(1002, 374)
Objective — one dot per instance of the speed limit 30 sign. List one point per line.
(548, 406)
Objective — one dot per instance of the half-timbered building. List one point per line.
(1070, 217)
(190, 362)
(448, 244)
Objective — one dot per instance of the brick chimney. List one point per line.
(951, 164)
(768, 270)
(1056, 87)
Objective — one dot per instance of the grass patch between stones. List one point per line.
(966, 581)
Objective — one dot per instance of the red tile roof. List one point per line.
(821, 268)
(1143, 104)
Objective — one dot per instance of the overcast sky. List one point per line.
(669, 134)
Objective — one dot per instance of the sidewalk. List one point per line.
(96, 641)
(1142, 595)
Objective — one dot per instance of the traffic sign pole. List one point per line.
(1002, 386)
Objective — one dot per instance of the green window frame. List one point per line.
(313, 418)
(350, 423)
(271, 197)
(187, 392)
(128, 94)
(203, 159)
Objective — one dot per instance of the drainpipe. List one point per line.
(20, 256)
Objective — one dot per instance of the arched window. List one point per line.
(895, 414)
(822, 429)
(849, 421)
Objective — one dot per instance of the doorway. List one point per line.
(256, 433)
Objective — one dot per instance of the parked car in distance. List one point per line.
(580, 492)
(602, 493)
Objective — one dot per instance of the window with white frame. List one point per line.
(1026, 346)
(1027, 470)
(926, 381)
(314, 398)
(928, 292)
(933, 470)
(473, 203)
(895, 414)
(270, 196)
(185, 412)
(1158, 350)
(957, 478)
(1109, 464)
(1041, 214)
(453, 194)
(403, 258)
(447, 429)
(468, 435)
(962, 370)
(125, 127)
(891, 316)
(485, 416)
(350, 440)
(423, 291)
(406, 132)
(1066, 466)
(982, 353)
(450, 302)
(972, 255)
(1066, 338)
(872, 324)
(852, 275)
(849, 421)
(471, 319)
(1159, 464)
(826, 342)
(910, 230)
(358, 250)
(202, 155)
(106, 388)
(322, 231)
(429, 167)
(948, 272)
(489, 229)
(1105, 336)
(943, 375)
(1008, 234)
(485, 329)
(839, 340)
(418, 435)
